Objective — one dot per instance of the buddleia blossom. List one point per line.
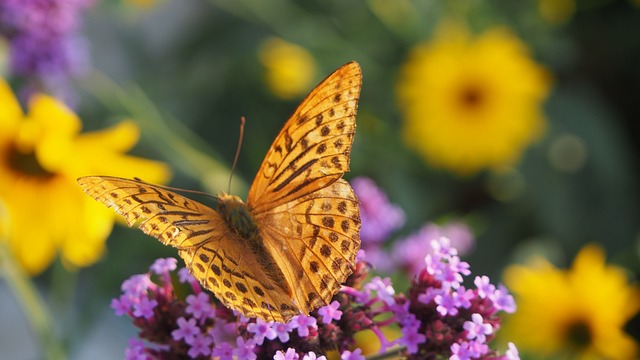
(45, 46)
(438, 317)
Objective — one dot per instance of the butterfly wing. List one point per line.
(308, 217)
(316, 239)
(217, 257)
(171, 218)
(312, 149)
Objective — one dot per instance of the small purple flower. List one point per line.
(121, 305)
(312, 356)
(383, 289)
(441, 247)
(244, 349)
(502, 300)
(330, 312)
(137, 285)
(164, 266)
(199, 306)
(222, 331)
(135, 350)
(451, 275)
(289, 355)
(282, 330)
(461, 351)
(201, 344)
(412, 338)
(484, 286)
(185, 276)
(512, 353)
(261, 330)
(352, 355)
(446, 304)
(144, 308)
(186, 330)
(303, 323)
(463, 297)
(477, 329)
(222, 351)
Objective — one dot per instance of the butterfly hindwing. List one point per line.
(321, 252)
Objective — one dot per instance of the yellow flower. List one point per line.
(143, 4)
(470, 104)
(289, 69)
(577, 313)
(41, 155)
(556, 11)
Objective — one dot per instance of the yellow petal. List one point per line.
(120, 137)
(10, 111)
(85, 244)
(32, 232)
(55, 118)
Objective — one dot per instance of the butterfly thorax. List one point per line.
(237, 216)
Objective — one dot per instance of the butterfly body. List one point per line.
(237, 215)
(288, 249)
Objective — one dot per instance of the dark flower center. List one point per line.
(27, 164)
(579, 334)
(471, 96)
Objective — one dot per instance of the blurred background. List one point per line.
(443, 84)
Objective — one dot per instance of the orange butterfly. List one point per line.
(288, 249)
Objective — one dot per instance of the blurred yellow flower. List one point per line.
(577, 313)
(556, 11)
(289, 69)
(472, 103)
(41, 155)
(143, 4)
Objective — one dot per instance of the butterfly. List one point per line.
(288, 249)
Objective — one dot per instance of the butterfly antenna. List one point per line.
(235, 160)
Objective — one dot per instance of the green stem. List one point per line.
(32, 304)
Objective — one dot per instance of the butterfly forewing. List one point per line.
(171, 218)
(312, 149)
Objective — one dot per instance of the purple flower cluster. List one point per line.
(45, 46)
(381, 218)
(438, 317)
